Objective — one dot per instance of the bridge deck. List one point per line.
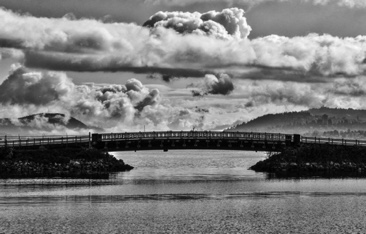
(174, 140)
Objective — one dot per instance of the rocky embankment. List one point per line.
(316, 160)
(68, 163)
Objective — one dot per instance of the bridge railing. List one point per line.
(20, 141)
(332, 141)
(25, 141)
(226, 135)
(194, 135)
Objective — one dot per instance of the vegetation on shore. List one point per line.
(316, 160)
(68, 163)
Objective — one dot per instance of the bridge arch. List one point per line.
(181, 140)
(170, 140)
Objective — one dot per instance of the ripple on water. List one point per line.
(192, 213)
(56, 200)
(184, 192)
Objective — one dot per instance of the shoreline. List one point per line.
(66, 163)
(309, 161)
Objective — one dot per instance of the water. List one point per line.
(184, 192)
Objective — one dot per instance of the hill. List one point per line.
(325, 122)
(40, 122)
(55, 119)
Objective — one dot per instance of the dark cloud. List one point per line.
(11, 43)
(151, 99)
(79, 63)
(221, 85)
(120, 11)
(197, 93)
(213, 85)
(165, 77)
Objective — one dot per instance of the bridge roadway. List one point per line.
(173, 140)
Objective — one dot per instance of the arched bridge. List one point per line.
(173, 140)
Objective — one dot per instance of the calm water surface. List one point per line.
(184, 192)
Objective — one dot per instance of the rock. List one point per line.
(314, 159)
(55, 163)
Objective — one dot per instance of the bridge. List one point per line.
(173, 140)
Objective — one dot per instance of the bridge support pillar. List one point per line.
(288, 140)
(297, 139)
(89, 142)
(96, 138)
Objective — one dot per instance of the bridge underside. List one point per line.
(180, 144)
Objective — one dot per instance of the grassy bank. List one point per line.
(316, 160)
(68, 163)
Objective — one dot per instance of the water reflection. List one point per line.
(56, 200)
(184, 191)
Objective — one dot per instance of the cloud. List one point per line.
(25, 87)
(151, 99)
(346, 3)
(349, 88)
(133, 105)
(342, 93)
(90, 45)
(213, 85)
(9, 53)
(118, 107)
(321, 55)
(57, 92)
(227, 24)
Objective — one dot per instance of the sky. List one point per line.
(126, 65)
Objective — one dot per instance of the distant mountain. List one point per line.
(42, 122)
(326, 122)
(55, 119)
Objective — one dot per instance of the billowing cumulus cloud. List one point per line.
(25, 87)
(91, 45)
(230, 23)
(113, 107)
(56, 91)
(133, 105)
